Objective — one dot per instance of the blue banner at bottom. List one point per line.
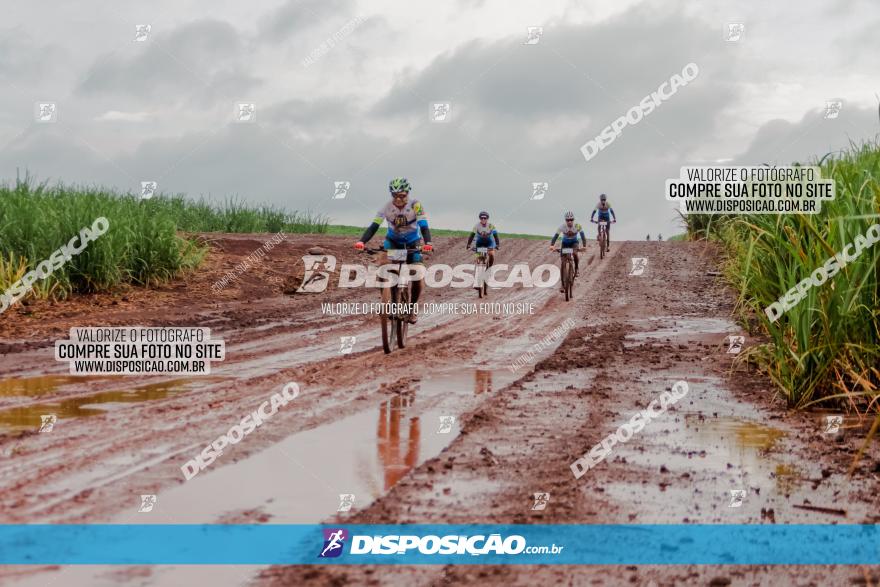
(433, 544)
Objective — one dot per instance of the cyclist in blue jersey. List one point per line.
(569, 231)
(487, 236)
(407, 226)
(606, 213)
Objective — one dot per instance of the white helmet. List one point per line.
(569, 215)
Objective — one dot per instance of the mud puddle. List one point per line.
(300, 479)
(30, 417)
(303, 478)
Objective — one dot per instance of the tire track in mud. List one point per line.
(636, 338)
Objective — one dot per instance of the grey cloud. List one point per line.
(191, 56)
(296, 16)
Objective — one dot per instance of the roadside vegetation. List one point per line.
(143, 245)
(826, 349)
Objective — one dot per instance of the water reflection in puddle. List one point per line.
(302, 478)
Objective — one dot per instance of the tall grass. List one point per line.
(827, 347)
(142, 245)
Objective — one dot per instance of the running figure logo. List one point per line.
(147, 503)
(47, 112)
(148, 188)
(539, 189)
(315, 278)
(346, 344)
(341, 189)
(735, 344)
(246, 112)
(534, 35)
(832, 109)
(737, 496)
(48, 422)
(446, 424)
(832, 424)
(142, 32)
(333, 542)
(639, 264)
(541, 501)
(440, 111)
(346, 500)
(735, 31)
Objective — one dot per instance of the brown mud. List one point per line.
(370, 425)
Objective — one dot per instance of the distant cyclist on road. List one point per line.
(570, 230)
(407, 225)
(606, 212)
(487, 236)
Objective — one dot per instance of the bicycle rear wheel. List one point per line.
(389, 332)
(401, 324)
(566, 276)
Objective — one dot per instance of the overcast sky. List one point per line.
(164, 109)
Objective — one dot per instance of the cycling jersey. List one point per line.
(605, 212)
(404, 224)
(569, 234)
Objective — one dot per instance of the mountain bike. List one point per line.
(603, 238)
(481, 267)
(395, 313)
(566, 262)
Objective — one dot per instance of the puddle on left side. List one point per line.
(29, 417)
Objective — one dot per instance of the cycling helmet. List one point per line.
(603, 197)
(483, 213)
(569, 215)
(399, 184)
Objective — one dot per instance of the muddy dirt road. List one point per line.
(368, 424)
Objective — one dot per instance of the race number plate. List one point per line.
(603, 223)
(397, 254)
(567, 251)
(482, 249)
